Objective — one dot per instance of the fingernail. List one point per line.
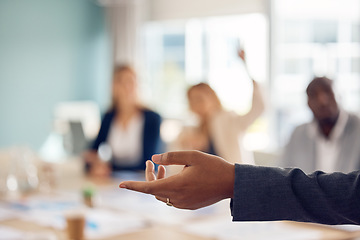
(122, 185)
(156, 158)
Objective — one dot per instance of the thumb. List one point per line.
(144, 187)
(178, 158)
(155, 187)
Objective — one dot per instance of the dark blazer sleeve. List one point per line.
(270, 194)
(104, 130)
(152, 140)
(102, 135)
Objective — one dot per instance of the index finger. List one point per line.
(178, 158)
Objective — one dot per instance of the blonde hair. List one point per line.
(208, 90)
(123, 68)
(204, 87)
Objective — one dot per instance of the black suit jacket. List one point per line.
(270, 194)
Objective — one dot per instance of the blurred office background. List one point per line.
(56, 61)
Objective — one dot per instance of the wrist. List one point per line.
(230, 181)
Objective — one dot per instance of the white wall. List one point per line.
(175, 9)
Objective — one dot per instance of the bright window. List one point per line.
(182, 53)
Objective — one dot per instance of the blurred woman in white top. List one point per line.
(220, 132)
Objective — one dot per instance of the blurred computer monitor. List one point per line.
(78, 140)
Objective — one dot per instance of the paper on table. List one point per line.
(6, 214)
(147, 207)
(100, 223)
(106, 223)
(8, 233)
(44, 203)
(49, 211)
(223, 228)
(44, 210)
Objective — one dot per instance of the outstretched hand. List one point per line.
(205, 179)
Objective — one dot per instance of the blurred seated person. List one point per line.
(330, 142)
(220, 132)
(129, 133)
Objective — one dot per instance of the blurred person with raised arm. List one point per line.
(129, 133)
(330, 141)
(220, 132)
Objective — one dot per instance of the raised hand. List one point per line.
(242, 55)
(205, 180)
